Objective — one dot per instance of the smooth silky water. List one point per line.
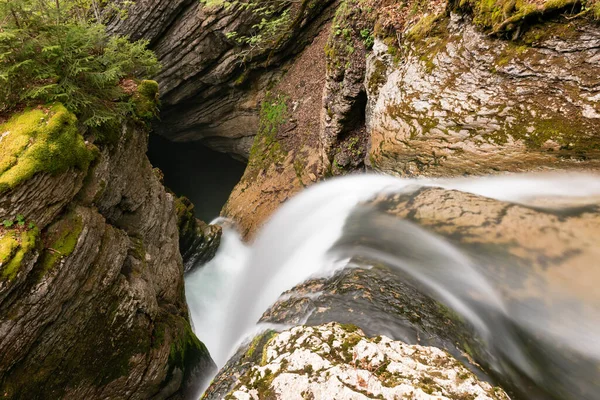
(310, 236)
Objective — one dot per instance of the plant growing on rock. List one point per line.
(277, 20)
(51, 51)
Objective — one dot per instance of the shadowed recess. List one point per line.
(191, 169)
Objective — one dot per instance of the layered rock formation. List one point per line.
(211, 84)
(440, 88)
(91, 287)
(457, 102)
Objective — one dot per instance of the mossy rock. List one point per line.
(505, 16)
(60, 241)
(145, 100)
(186, 220)
(14, 245)
(187, 351)
(42, 140)
(266, 149)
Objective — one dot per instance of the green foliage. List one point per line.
(19, 220)
(368, 38)
(41, 140)
(77, 65)
(28, 13)
(274, 17)
(266, 149)
(52, 51)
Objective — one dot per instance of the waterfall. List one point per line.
(310, 236)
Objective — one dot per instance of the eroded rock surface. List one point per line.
(211, 86)
(91, 295)
(339, 361)
(457, 101)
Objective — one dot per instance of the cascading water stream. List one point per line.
(310, 236)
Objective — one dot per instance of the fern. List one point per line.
(78, 65)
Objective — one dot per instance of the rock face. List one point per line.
(198, 241)
(91, 294)
(439, 88)
(340, 362)
(458, 102)
(444, 90)
(286, 154)
(211, 85)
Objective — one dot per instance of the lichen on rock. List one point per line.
(340, 362)
(453, 109)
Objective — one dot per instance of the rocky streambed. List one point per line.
(469, 275)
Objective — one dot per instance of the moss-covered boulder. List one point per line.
(42, 140)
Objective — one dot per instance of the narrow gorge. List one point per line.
(299, 199)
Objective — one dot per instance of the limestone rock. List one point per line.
(210, 85)
(459, 102)
(339, 361)
(95, 307)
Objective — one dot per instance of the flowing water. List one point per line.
(317, 233)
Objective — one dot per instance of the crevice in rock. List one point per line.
(193, 170)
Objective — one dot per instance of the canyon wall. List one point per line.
(92, 300)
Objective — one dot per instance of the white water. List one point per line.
(209, 290)
(229, 294)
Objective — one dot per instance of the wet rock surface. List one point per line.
(491, 248)
(198, 241)
(340, 361)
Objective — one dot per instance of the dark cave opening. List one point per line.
(191, 169)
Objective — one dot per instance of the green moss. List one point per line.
(9, 244)
(266, 149)
(186, 350)
(186, 219)
(350, 328)
(14, 245)
(378, 76)
(424, 27)
(41, 141)
(60, 241)
(430, 39)
(596, 10)
(506, 16)
(145, 100)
